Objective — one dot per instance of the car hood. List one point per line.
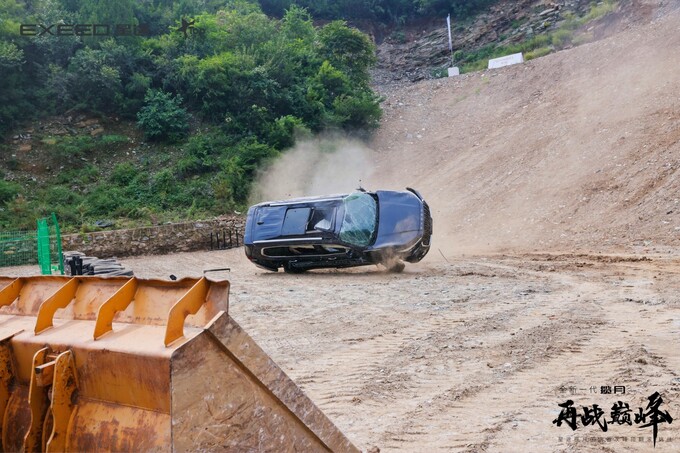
(399, 222)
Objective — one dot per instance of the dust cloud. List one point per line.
(318, 166)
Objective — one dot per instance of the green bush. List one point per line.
(283, 131)
(162, 117)
(257, 83)
(69, 149)
(355, 112)
(104, 200)
(201, 153)
(599, 10)
(123, 174)
(8, 191)
(561, 38)
(19, 213)
(536, 53)
(62, 195)
(79, 177)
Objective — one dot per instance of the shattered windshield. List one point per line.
(359, 220)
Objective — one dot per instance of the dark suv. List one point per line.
(382, 227)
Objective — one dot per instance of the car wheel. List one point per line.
(288, 269)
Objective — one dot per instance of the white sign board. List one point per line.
(454, 71)
(506, 60)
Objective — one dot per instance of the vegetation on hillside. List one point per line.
(392, 12)
(195, 95)
(539, 45)
(213, 105)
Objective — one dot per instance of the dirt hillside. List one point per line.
(578, 150)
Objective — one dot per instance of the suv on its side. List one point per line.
(382, 227)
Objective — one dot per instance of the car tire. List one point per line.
(288, 269)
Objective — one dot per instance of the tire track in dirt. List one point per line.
(417, 362)
(417, 373)
(373, 371)
(586, 357)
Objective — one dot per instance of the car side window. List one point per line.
(321, 219)
(296, 221)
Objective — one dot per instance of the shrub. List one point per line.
(561, 38)
(202, 154)
(360, 110)
(123, 174)
(283, 131)
(72, 148)
(81, 177)
(599, 10)
(540, 52)
(104, 200)
(19, 214)
(8, 191)
(162, 117)
(61, 195)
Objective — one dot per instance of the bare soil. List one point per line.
(473, 354)
(576, 150)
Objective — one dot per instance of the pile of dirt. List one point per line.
(576, 150)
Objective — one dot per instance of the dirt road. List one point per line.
(474, 354)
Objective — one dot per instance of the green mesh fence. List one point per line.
(50, 258)
(18, 248)
(43, 247)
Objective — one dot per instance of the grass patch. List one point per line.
(113, 139)
(536, 53)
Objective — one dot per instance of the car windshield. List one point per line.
(360, 219)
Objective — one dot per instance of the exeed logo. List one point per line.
(84, 30)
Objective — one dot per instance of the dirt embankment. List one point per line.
(576, 150)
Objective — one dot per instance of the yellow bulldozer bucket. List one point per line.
(125, 364)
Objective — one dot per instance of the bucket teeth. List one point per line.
(125, 364)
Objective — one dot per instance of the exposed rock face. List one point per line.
(418, 51)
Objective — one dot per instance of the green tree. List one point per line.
(359, 111)
(94, 80)
(347, 49)
(162, 117)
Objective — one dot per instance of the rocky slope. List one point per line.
(417, 52)
(576, 150)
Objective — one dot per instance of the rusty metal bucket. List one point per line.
(124, 364)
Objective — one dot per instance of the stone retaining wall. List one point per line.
(157, 240)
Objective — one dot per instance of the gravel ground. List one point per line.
(473, 354)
